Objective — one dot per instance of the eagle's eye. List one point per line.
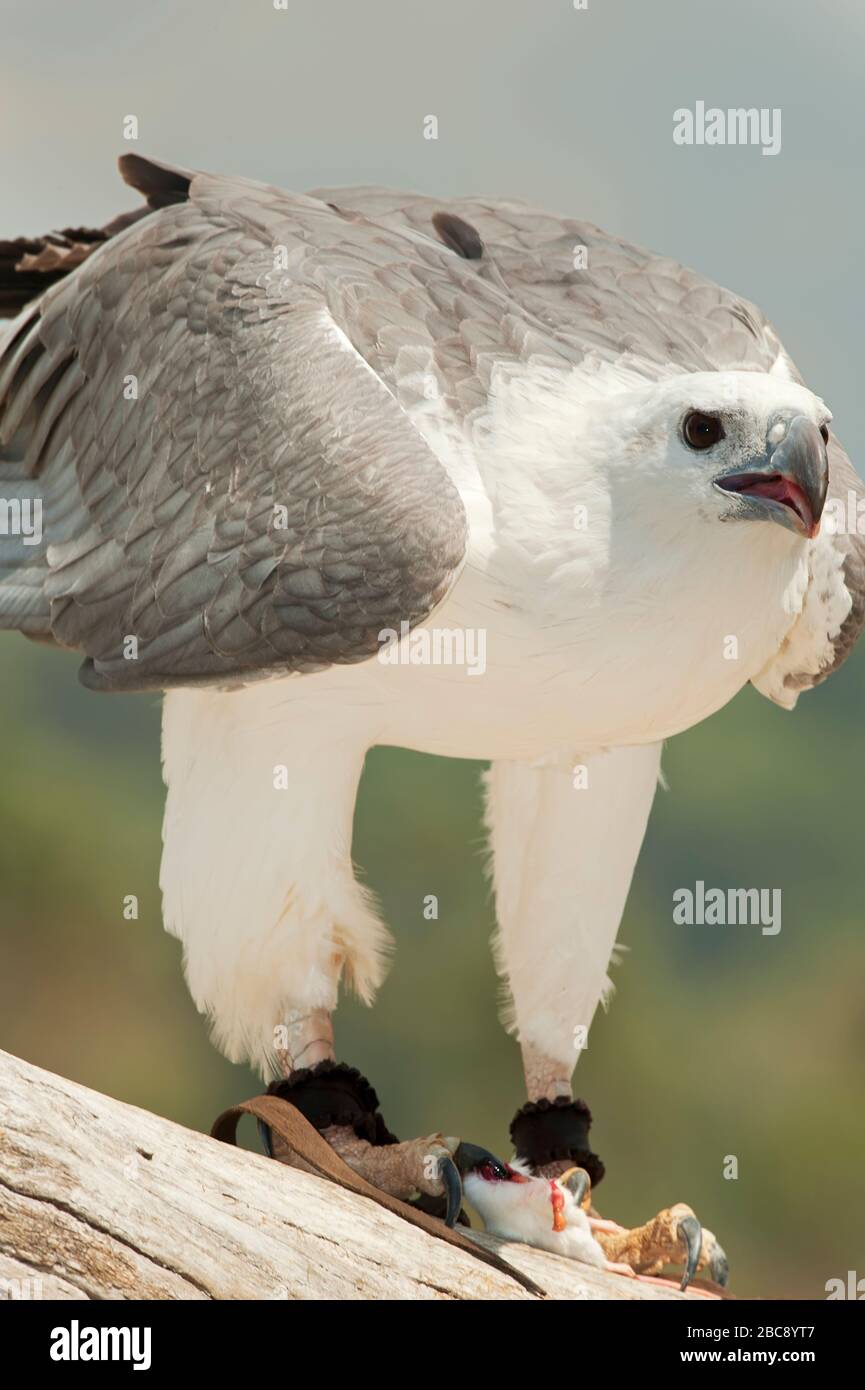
(701, 431)
(824, 433)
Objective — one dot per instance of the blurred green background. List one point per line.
(718, 1042)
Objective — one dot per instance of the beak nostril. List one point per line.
(788, 483)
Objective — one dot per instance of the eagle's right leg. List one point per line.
(258, 883)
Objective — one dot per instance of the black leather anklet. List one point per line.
(332, 1093)
(543, 1131)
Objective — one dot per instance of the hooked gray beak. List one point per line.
(787, 483)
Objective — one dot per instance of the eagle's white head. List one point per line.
(624, 514)
(579, 454)
(725, 447)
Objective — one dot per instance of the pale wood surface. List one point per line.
(101, 1200)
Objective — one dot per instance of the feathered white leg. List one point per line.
(565, 841)
(256, 877)
(258, 883)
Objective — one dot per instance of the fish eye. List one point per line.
(493, 1172)
(701, 431)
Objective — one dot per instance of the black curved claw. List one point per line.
(718, 1266)
(453, 1185)
(691, 1232)
(468, 1157)
(266, 1137)
(578, 1182)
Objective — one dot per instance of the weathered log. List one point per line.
(99, 1199)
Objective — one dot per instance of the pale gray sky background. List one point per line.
(572, 109)
(715, 1037)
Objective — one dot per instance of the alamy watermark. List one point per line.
(737, 126)
(716, 907)
(21, 516)
(77, 1343)
(844, 518)
(434, 646)
(21, 1290)
(852, 1288)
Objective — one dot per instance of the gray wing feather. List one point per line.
(264, 504)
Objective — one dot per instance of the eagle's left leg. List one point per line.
(426, 1171)
(258, 883)
(565, 838)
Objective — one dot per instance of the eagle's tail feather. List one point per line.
(30, 265)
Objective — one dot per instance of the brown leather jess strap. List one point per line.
(296, 1131)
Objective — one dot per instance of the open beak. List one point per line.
(787, 483)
